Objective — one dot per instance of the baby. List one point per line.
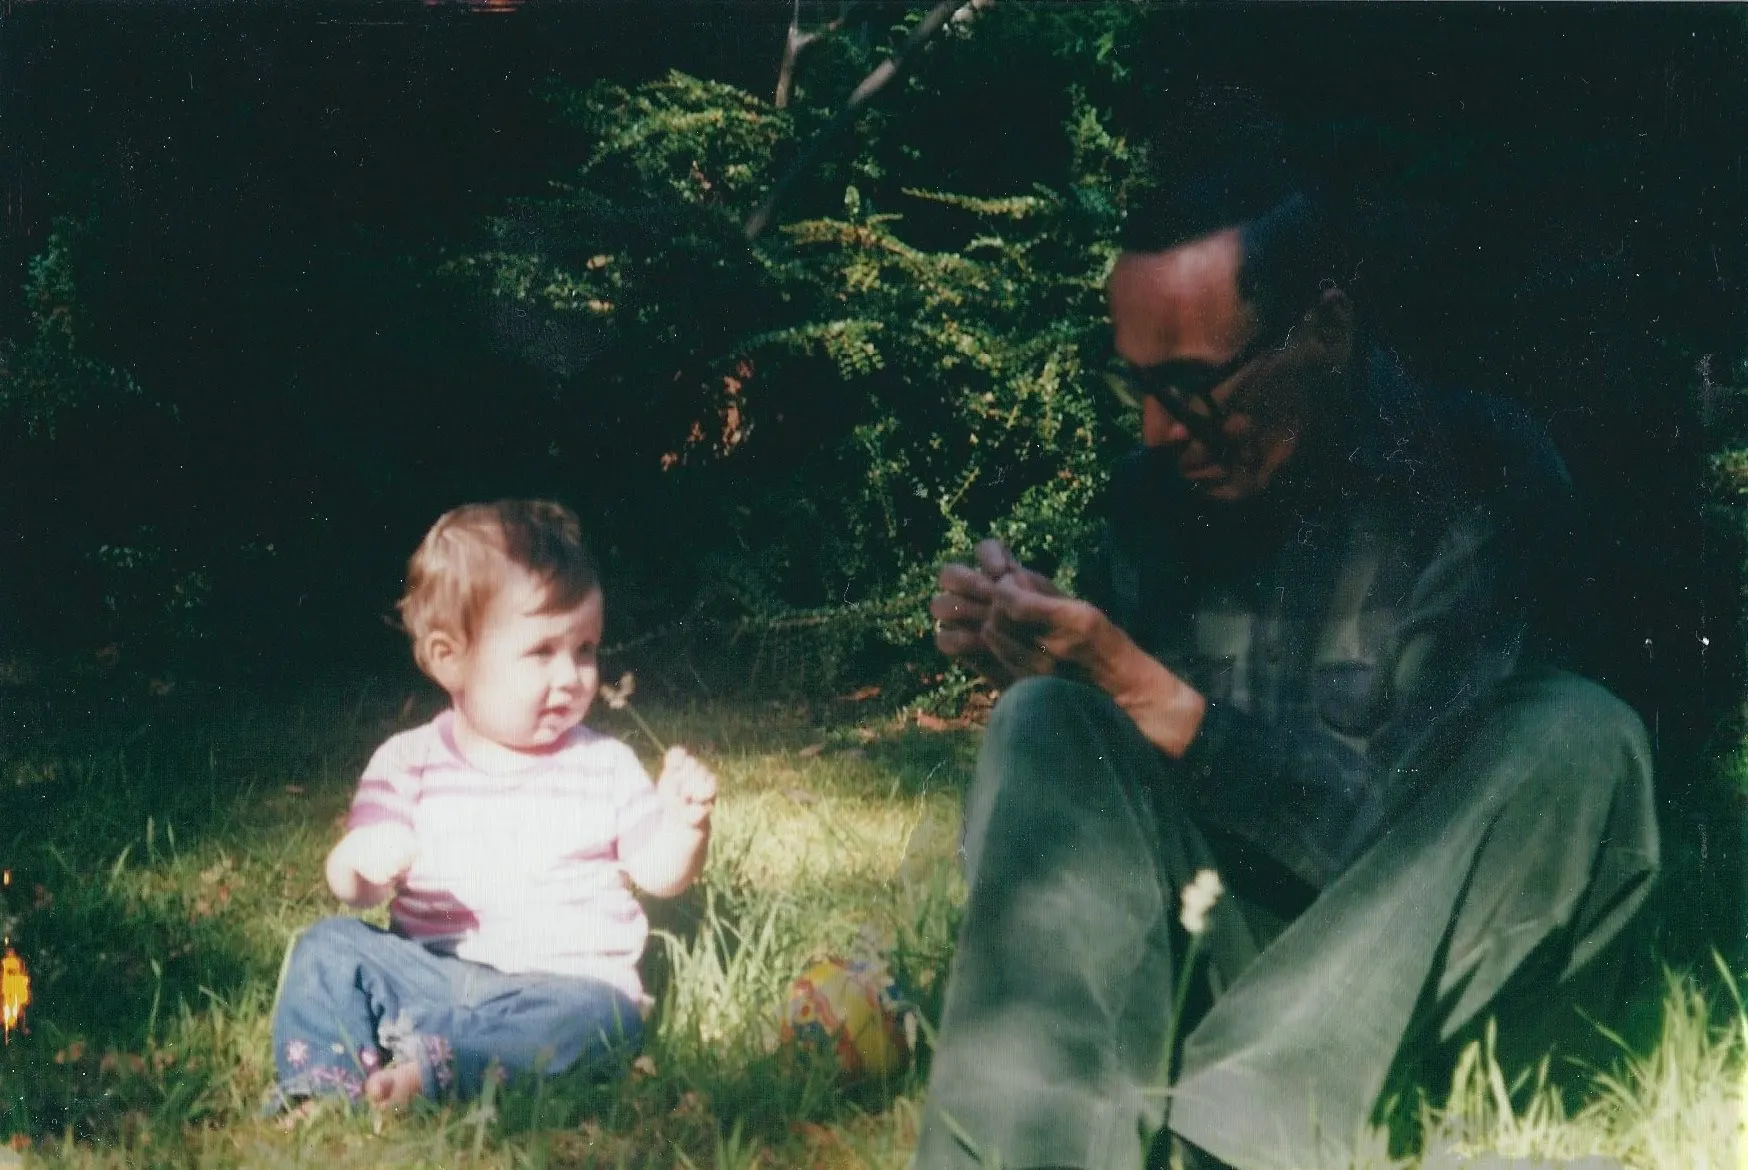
(504, 831)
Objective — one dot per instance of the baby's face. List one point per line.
(528, 677)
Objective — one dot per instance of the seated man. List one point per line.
(1309, 659)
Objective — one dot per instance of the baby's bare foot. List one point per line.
(299, 1113)
(393, 1087)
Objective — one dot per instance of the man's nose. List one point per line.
(1159, 428)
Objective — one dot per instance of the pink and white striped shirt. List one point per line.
(519, 870)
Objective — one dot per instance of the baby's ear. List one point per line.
(441, 654)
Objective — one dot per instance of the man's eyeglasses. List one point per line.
(1186, 388)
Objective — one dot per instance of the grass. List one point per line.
(161, 863)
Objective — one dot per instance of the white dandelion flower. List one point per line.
(1199, 897)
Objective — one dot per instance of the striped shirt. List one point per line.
(519, 870)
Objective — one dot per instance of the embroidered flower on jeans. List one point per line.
(1199, 897)
(338, 1078)
(297, 1053)
(441, 1059)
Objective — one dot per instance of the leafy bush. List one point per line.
(843, 403)
(48, 374)
(67, 415)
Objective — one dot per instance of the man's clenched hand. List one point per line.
(964, 608)
(1009, 623)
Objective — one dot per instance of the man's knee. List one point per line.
(1047, 708)
(1561, 749)
(1057, 753)
(1587, 722)
(1060, 736)
(1572, 754)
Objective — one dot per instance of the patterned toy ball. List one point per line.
(847, 1009)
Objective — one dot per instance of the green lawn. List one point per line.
(160, 865)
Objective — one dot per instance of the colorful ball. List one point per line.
(849, 1010)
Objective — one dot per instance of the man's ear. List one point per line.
(1332, 323)
(441, 652)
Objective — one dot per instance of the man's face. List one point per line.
(1182, 306)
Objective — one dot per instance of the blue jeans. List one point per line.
(353, 993)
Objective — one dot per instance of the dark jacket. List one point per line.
(1398, 567)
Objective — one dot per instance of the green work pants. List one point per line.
(1520, 844)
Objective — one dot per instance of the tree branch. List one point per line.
(793, 42)
(872, 84)
(796, 41)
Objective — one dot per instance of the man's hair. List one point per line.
(467, 556)
(1289, 248)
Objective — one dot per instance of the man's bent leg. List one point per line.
(1536, 841)
(1061, 983)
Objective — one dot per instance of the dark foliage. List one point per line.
(292, 282)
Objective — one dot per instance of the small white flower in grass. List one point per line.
(1199, 897)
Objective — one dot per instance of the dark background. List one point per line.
(267, 188)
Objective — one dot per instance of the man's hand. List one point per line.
(963, 608)
(687, 788)
(1027, 628)
(1011, 623)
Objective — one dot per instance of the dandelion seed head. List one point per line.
(1198, 898)
(618, 696)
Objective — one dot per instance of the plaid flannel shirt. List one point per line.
(1389, 576)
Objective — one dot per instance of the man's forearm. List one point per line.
(1033, 631)
(1167, 710)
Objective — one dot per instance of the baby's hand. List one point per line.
(687, 788)
(382, 854)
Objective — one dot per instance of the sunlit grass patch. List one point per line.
(155, 921)
(158, 881)
(1683, 1103)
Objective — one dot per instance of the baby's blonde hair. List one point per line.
(464, 560)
